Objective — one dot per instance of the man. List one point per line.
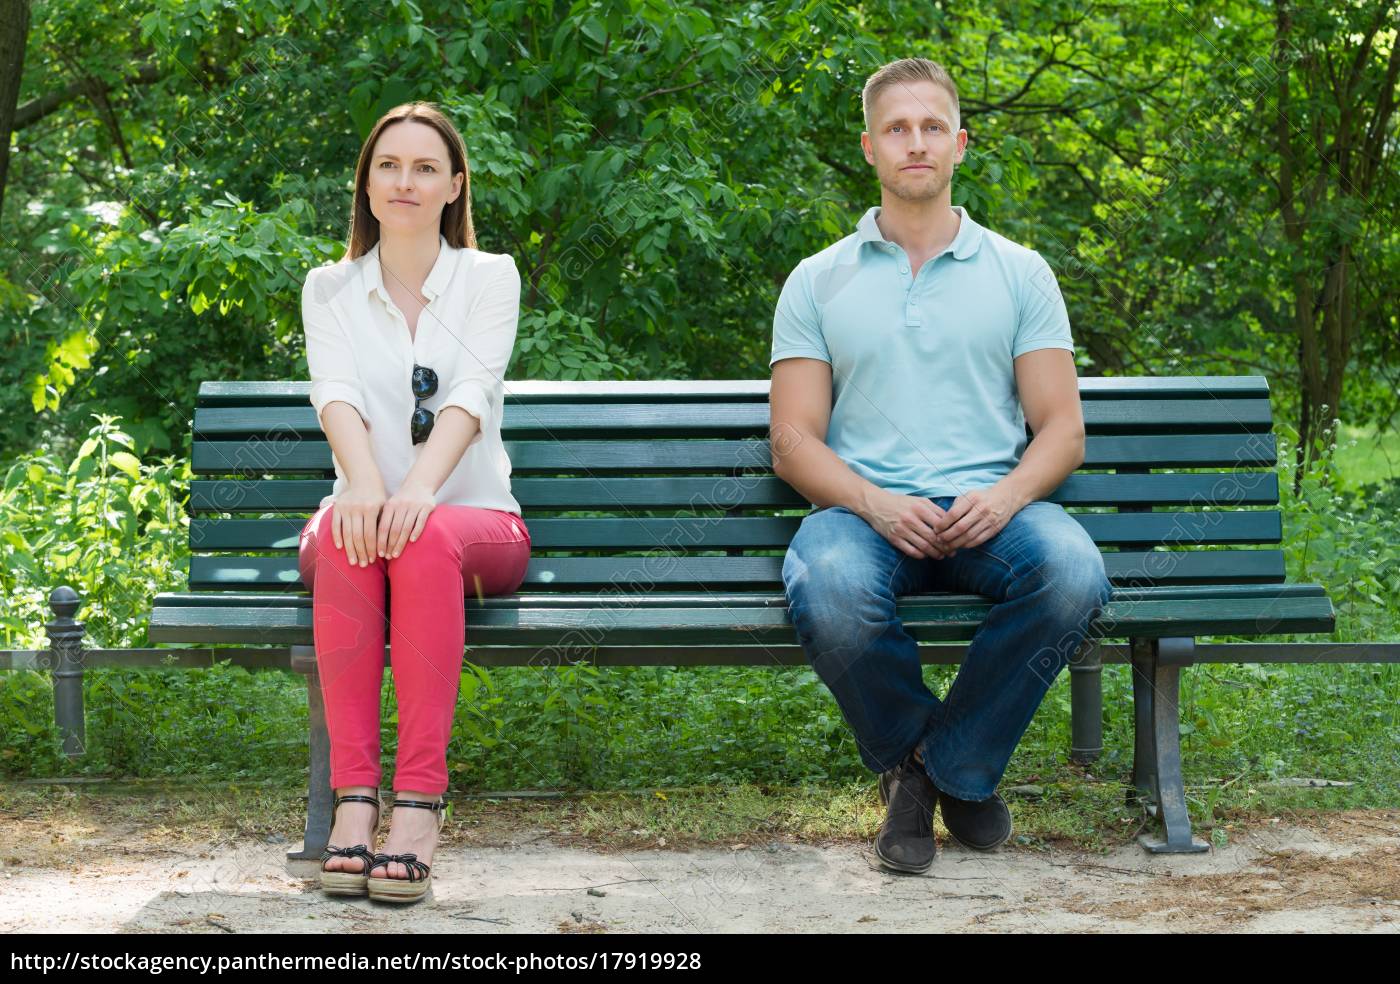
(907, 359)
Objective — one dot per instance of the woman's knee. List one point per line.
(435, 542)
(316, 547)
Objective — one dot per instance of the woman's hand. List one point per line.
(404, 516)
(354, 519)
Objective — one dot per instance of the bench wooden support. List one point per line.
(1157, 778)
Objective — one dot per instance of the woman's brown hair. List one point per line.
(456, 215)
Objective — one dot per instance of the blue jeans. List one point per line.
(1046, 579)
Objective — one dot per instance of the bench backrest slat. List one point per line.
(1207, 489)
(565, 420)
(298, 393)
(706, 455)
(763, 533)
(675, 570)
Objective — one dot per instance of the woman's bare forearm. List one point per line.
(452, 432)
(349, 439)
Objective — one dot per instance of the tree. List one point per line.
(1338, 70)
(14, 33)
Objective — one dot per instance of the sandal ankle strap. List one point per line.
(356, 798)
(420, 804)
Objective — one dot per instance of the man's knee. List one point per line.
(829, 577)
(834, 605)
(1075, 593)
(1076, 584)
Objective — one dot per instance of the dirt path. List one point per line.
(1340, 871)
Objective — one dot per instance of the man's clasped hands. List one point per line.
(920, 528)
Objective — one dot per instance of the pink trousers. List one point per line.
(462, 549)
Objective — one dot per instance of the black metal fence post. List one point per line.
(66, 664)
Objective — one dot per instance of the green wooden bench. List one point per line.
(677, 557)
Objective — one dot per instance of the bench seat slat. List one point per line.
(683, 599)
(928, 619)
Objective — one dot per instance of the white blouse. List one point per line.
(359, 350)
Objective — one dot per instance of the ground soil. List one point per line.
(90, 869)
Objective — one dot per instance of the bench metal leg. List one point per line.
(319, 797)
(1157, 776)
(1086, 705)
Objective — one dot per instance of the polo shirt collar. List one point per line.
(964, 244)
(438, 277)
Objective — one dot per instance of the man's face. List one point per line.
(912, 142)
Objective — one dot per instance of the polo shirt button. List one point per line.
(903, 269)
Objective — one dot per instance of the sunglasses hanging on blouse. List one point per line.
(425, 384)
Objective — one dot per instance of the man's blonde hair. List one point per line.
(902, 72)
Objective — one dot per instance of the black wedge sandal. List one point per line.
(416, 885)
(350, 882)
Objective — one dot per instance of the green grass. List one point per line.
(756, 729)
(1373, 458)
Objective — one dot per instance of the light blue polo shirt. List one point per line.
(923, 383)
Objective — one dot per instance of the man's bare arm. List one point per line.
(799, 400)
(1049, 391)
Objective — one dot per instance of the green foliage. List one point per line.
(105, 523)
(1344, 538)
(562, 345)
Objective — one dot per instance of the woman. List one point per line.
(407, 342)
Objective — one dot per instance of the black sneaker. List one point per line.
(905, 841)
(979, 824)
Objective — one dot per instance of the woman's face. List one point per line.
(410, 177)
